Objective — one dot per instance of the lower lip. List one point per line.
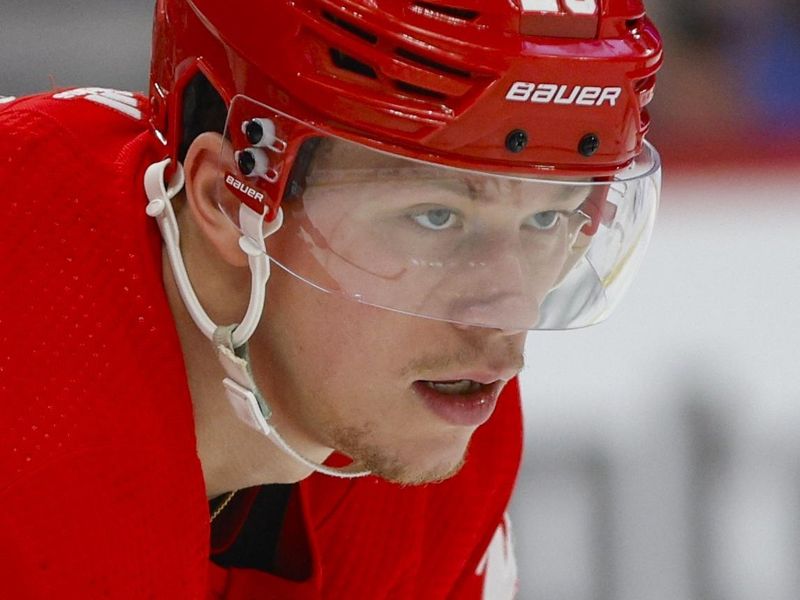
(468, 410)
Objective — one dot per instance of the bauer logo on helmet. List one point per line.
(547, 93)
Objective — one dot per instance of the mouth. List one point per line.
(462, 402)
(455, 388)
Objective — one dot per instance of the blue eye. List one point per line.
(544, 220)
(436, 218)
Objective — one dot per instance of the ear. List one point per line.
(203, 189)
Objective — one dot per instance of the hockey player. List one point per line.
(296, 281)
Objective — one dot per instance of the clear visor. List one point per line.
(468, 247)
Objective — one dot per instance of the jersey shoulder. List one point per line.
(72, 101)
(98, 428)
(87, 122)
(82, 269)
(88, 143)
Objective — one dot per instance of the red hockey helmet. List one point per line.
(538, 103)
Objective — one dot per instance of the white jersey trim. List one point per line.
(499, 566)
(124, 102)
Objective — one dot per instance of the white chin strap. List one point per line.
(229, 341)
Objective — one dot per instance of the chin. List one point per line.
(431, 467)
(439, 473)
(414, 462)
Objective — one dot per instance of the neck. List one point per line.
(232, 455)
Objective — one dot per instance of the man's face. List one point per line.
(352, 377)
(402, 394)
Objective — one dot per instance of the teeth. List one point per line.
(464, 386)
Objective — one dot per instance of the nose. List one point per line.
(496, 290)
(504, 312)
(498, 350)
(505, 279)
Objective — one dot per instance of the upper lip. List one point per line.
(485, 376)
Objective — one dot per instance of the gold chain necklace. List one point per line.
(229, 496)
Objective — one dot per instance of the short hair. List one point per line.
(204, 110)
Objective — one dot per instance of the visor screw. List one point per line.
(516, 141)
(589, 144)
(246, 162)
(254, 132)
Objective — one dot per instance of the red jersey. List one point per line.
(101, 490)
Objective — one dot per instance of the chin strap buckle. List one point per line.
(246, 406)
(241, 389)
(250, 405)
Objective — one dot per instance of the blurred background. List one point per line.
(663, 447)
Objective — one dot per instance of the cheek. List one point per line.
(329, 343)
(337, 367)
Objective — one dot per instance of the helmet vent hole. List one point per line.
(645, 84)
(350, 28)
(419, 91)
(634, 25)
(644, 116)
(348, 63)
(450, 12)
(432, 64)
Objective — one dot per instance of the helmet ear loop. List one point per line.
(597, 209)
(582, 226)
(578, 242)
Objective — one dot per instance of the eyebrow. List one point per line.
(472, 183)
(565, 194)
